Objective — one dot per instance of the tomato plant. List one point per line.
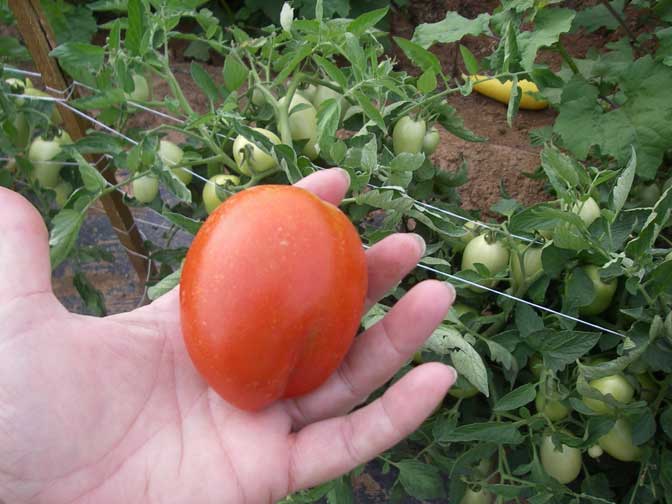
(274, 104)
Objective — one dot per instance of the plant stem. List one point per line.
(567, 58)
(620, 20)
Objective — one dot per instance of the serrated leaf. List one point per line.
(549, 24)
(419, 56)
(470, 61)
(189, 225)
(516, 398)
(234, 72)
(370, 110)
(621, 190)
(93, 181)
(490, 432)
(64, 233)
(560, 348)
(422, 481)
(135, 26)
(205, 82)
(166, 284)
(94, 301)
(451, 29)
(367, 20)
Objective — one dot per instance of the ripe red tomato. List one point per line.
(271, 295)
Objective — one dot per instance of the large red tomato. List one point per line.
(271, 295)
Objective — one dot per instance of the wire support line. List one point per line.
(521, 300)
(419, 203)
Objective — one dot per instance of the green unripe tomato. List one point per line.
(649, 194)
(474, 497)
(527, 270)
(210, 198)
(63, 191)
(141, 92)
(303, 123)
(604, 292)
(145, 188)
(408, 135)
(258, 97)
(259, 161)
(563, 464)
(553, 408)
(587, 210)
(616, 386)
(171, 155)
(494, 256)
(41, 155)
(618, 442)
(595, 451)
(430, 141)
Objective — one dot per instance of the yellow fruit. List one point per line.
(501, 92)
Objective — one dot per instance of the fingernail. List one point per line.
(454, 373)
(451, 291)
(421, 242)
(345, 174)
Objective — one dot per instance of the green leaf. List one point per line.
(93, 181)
(164, 285)
(189, 225)
(642, 120)
(102, 100)
(446, 340)
(94, 301)
(235, 73)
(619, 195)
(490, 432)
(82, 61)
(427, 82)
(561, 170)
(451, 29)
(299, 55)
(367, 20)
(422, 481)
(332, 71)
(71, 23)
(135, 28)
(517, 398)
(470, 61)
(328, 118)
(419, 56)
(514, 101)
(12, 50)
(594, 18)
(354, 53)
(174, 184)
(549, 24)
(370, 110)
(205, 82)
(560, 348)
(64, 232)
(451, 121)
(666, 421)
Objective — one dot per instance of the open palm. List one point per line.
(112, 410)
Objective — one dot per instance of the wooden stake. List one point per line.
(40, 39)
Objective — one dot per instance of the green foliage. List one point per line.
(612, 132)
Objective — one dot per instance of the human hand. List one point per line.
(112, 410)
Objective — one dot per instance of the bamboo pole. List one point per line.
(40, 40)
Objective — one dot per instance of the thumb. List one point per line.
(24, 248)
